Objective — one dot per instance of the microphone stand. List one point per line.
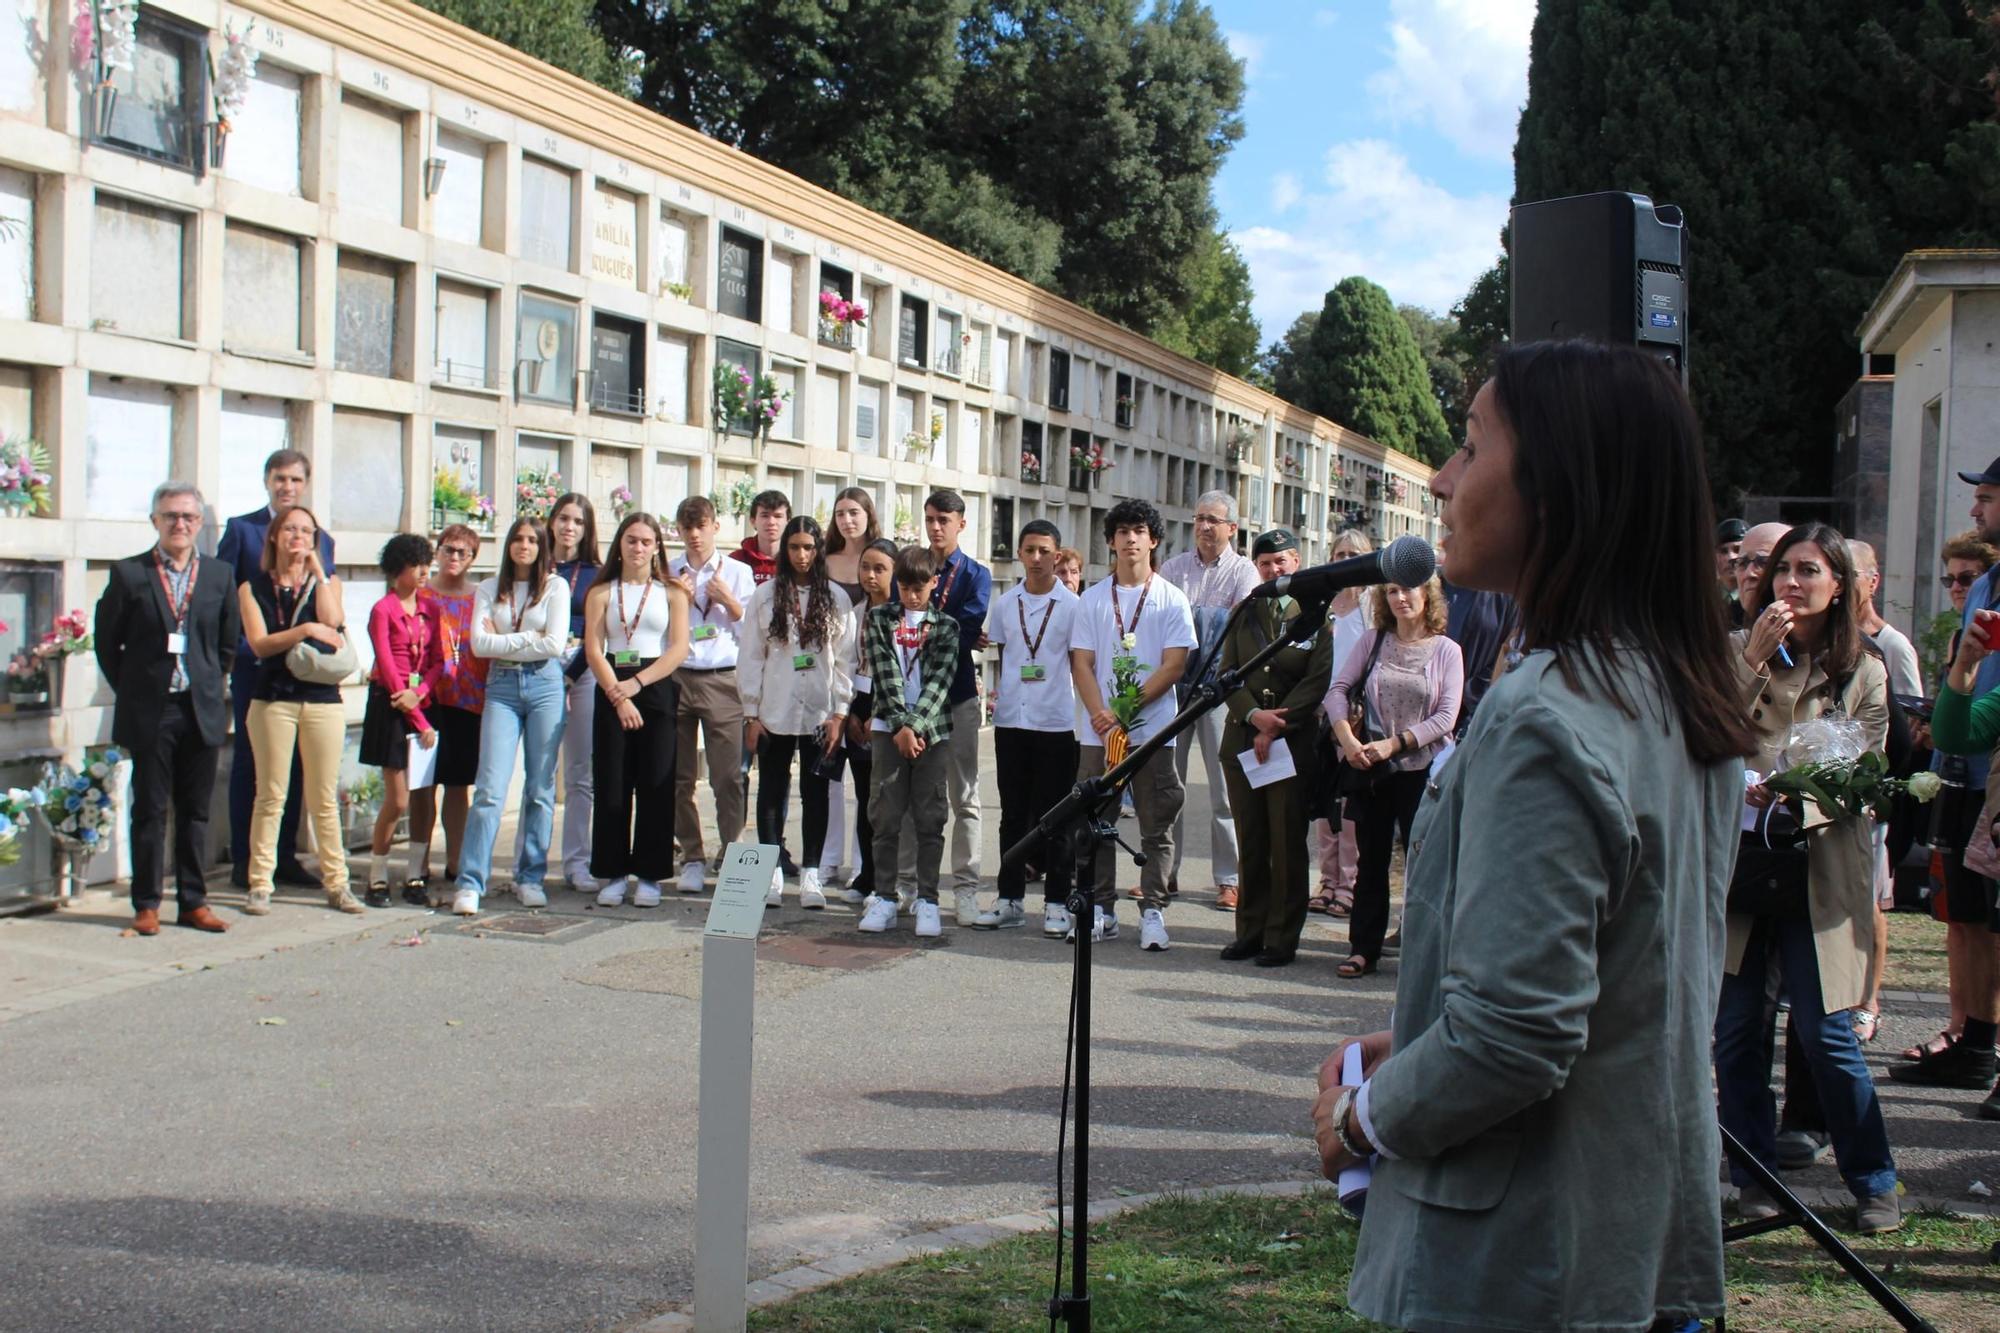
(1077, 826)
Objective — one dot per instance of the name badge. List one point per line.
(1124, 663)
(1034, 671)
(415, 680)
(625, 657)
(702, 633)
(864, 684)
(803, 661)
(177, 643)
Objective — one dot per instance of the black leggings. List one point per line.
(1380, 819)
(774, 790)
(861, 779)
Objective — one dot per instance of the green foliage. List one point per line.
(1214, 325)
(1480, 324)
(1433, 338)
(1934, 644)
(1811, 143)
(1358, 364)
(559, 32)
(1281, 361)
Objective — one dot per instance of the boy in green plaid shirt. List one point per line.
(909, 652)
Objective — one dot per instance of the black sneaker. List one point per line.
(377, 896)
(1236, 951)
(1990, 1108)
(417, 893)
(1960, 1065)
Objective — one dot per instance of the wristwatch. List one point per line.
(1341, 1108)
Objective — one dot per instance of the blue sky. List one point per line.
(1378, 139)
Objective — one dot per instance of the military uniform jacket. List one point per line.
(1294, 681)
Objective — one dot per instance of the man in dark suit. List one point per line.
(166, 624)
(241, 551)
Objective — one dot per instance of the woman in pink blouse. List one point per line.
(455, 712)
(405, 674)
(1415, 678)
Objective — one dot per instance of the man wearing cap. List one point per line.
(1276, 710)
(1728, 545)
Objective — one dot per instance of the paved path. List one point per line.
(490, 1130)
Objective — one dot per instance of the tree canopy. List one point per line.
(560, 32)
(1357, 362)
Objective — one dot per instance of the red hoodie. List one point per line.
(762, 567)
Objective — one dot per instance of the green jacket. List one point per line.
(1294, 681)
(931, 718)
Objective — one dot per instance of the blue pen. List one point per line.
(1784, 656)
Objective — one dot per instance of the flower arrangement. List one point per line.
(1031, 467)
(70, 636)
(1830, 765)
(76, 803)
(450, 495)
(536, 491)
(1396, 489)
(739, 394)
(622, 502)
(920, 443)
(106, 29)
(840, 312)
(1127, 702)
(230, 76)
(15, 808)
(680, 291)
(24, 476)
(361, 799)
(906, 529)
(28, 677)
(1090, 457)
(741, 492)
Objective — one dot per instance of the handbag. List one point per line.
(1349, 782)
(313, 662)
(1772, 868)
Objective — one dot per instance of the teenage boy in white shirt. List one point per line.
(1137, 623)
(1034, 721)
(718, 589)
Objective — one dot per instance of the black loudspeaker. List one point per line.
(1609, 266)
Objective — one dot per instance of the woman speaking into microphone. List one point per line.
(1541, 1115)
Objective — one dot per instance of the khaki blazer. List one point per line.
(1840, 886)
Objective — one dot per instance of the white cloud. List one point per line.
(1285, 191)
(1248, 48)
(1462, 67)
(1377, 217)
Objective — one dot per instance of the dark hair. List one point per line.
(1134, 514)
(614, 569)
(586, 546)
(816, 624)
(403, 551)
(1040, 527)
(288, 458)
(771, 500)
(836, 541)
(914, 565)
(1620, 552)
(945, 502)
(269, 563)
(883, 545)
(538, 573)
(692, 513)
(1843, 631)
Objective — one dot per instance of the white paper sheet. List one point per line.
(423, 764)
(1275, 769)
(1352, 1187)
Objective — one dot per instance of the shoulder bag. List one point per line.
(313, 662)
(1349, 782)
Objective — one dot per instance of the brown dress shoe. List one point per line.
(1225, 898)
(146, 921)
(203, 918)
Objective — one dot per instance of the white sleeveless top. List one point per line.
(649, 635)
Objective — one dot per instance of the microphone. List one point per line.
(1408, 561)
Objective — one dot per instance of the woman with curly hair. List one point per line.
(796, 675)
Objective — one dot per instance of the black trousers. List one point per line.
(774, 792)
(1033, 768)
(1380, 819)
(174, 767)
(632, 776)
(861, 780)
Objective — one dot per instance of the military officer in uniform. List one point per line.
(1277, 706)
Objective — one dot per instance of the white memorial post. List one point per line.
(722, 1152)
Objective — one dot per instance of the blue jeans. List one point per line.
(1743, 1043)
(524, 706)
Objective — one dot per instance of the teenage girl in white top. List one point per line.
(635, 636)
(520, 624)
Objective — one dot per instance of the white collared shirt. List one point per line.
(713, 653)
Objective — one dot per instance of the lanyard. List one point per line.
(941, 599)
(713, 571)
(1119, 616)
(180, 607)
(514, 603)
(1034, 645)
(632, 627)
(910, 642)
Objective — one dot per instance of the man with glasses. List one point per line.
(1751, 558)
(1215, 576)
(241, 551)
(165, 625)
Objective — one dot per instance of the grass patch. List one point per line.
(1916, 953)
(1182, 1265)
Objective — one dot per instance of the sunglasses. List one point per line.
(457, 551)
(1961, 580)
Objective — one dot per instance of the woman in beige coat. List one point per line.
(1801, 658)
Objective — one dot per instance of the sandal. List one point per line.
(1343, 903)
(1321, 902)
(1937, 1045)
(1355, 966)
(1865, 1022)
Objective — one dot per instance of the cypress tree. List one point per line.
(1360, 366)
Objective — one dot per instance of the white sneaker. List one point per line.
(694, 876)
(879, 915)
(810, 896)
(1153, 930)
(1055, 920)
(1103, 926)
(531, 895)
(465, 903)
(646, 895)
(612, 894)
(852, 895)
(1006, 914)
(776, 897)
(929, 925)
(965, 905)
(582, 884)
